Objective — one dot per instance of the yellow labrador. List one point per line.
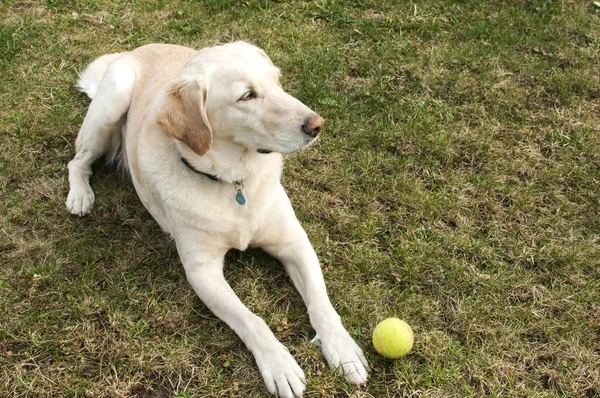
(202, 134)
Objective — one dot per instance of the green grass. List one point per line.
(456, 185)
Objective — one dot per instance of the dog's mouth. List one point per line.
(286, 149)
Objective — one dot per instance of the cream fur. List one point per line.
(134, 102)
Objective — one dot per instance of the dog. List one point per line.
(202, 134)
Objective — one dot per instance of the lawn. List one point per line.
(456, 185)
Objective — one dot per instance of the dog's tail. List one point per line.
(90, 78)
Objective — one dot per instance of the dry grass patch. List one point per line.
(456, 186)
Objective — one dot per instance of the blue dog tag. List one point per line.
(239, 197)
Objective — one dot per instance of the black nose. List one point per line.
(313, 125)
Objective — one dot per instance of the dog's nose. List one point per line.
(313, 124)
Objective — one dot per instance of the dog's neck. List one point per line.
(231, 162)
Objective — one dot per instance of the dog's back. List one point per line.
(156, 63)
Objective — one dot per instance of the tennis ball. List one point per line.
(393, 338)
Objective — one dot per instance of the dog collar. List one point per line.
(239, 185)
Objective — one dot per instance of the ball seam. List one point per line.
(381, 340)
(408, 334)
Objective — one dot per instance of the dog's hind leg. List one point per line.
(111, 99)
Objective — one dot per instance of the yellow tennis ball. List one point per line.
(393, 338)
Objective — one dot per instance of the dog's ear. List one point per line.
(263, 54)
(183, 115)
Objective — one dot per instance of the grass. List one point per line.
(456, 186)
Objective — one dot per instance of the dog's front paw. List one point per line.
(80, 200)
(344, 354)
(283, 377)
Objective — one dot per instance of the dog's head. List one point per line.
(233, 92)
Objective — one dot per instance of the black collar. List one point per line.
(189, 166)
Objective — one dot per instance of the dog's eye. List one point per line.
(248, 96)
